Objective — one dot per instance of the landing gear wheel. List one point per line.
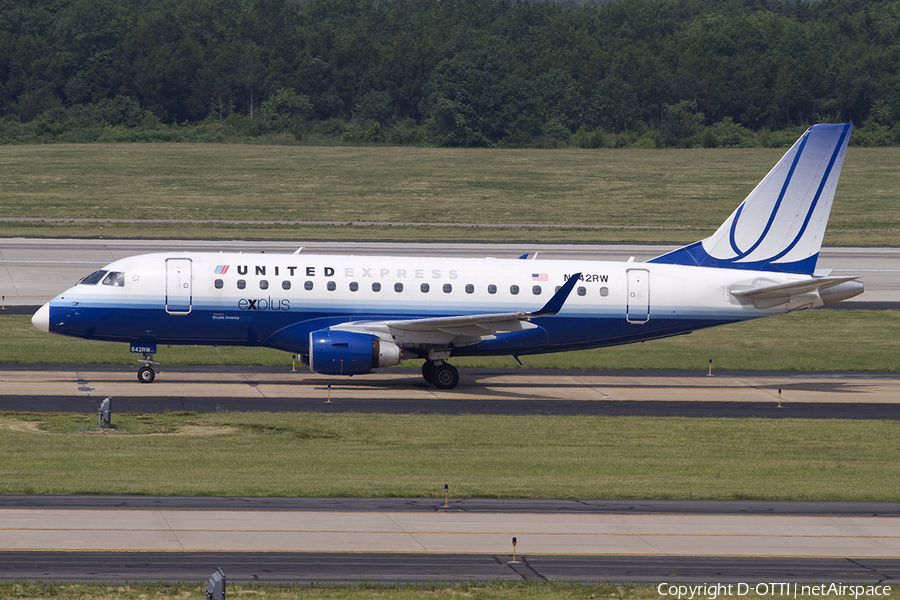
(146, 374)
(444, 376)
(428, 371)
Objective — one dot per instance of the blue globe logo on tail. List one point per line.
(780, 225)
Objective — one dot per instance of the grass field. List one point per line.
(386, 455)
(498, 590)
(821, 340)
(655, 195)
(468, 591)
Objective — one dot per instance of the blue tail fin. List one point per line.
(780, 225)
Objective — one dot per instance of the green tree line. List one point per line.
(647, 73)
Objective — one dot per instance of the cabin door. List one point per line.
(178, 286)
(638, 305)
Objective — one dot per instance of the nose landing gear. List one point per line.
(147, 374)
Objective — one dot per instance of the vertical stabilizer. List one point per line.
(780, 225)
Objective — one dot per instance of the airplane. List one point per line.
(348, 315)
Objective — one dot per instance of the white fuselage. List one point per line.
(247, 299)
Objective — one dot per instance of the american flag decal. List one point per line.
(539, 277)
(222, 269)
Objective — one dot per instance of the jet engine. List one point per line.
(335, 352)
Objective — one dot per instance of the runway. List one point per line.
(418, 540)
(482, 391)
(32, 271)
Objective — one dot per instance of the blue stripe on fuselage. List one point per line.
(289, 331)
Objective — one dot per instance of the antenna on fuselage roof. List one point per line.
(297, 251)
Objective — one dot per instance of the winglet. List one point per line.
(555, 304)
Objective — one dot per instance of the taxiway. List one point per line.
(482, 391)
(398, 540)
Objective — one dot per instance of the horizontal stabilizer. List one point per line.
(803, 294)
(789, 289)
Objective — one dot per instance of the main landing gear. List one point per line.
(146, 374)
(443, 375)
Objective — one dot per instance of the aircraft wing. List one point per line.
(459, 330)
(490, 322)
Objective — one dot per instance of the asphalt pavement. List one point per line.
(80, 388)
(393, 540)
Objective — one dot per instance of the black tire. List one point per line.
(146, 375)
(428, 371)
(445, 376)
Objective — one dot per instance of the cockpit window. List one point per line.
(115, 278)
(94, 278)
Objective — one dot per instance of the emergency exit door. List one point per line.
(638, 305)
(178, 286)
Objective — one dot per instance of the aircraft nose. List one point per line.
(41, 318)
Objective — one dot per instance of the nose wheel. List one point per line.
(147, 374)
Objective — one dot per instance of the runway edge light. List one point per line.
(215, 590)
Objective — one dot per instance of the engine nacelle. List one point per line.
(335, 352)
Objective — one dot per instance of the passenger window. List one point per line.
(354, 286)
(425, 288)
(376, 287)
(513, 289)
(581, 290)
(492, 289)
(470, 289)
(331, 286)
(398, 287)
(241, 284)
(308, 285)
(559, 287)
(285, 285)
(263, 284)
(604, 292)
(536, 290)
(219, 284)
(448, 288)
(115, 278)
(94, 278)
